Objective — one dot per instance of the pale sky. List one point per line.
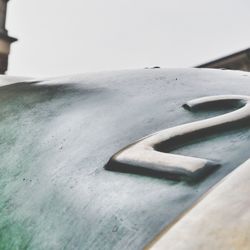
(61, 37)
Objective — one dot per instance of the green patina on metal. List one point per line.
(56, 136)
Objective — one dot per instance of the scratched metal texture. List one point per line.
(56, 136)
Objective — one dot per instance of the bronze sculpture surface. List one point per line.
(57, 135)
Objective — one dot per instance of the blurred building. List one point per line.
(236, 61)
(5, 39)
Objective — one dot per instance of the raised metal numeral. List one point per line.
(149, 155)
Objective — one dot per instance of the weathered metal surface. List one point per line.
(56, 136)
(221, 220)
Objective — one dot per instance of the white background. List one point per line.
(60, 37)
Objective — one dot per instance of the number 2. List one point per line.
(147, 157)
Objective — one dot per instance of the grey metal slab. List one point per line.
(56, 136)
